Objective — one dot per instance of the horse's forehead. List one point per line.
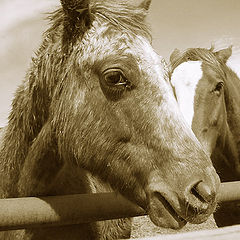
(146, 56)
(106, 42)
(185, 79)
(187, 74)
(103, 42)
(150, 62)
(104, 39)
(212, 72)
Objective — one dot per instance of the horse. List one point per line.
(207, 91)
(96, 113)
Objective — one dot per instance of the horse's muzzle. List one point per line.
(173, 207)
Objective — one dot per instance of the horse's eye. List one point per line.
(114, 84)
(218, 87)
(115, 78)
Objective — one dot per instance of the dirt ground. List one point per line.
(143, 227)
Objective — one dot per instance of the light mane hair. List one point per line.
(123, 16)
(200, 54)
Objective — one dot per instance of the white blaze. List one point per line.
(185, 78)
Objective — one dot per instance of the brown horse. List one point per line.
(207, 91)
(96, 113)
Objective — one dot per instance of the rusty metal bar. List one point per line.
(229, 191)
(33, 212)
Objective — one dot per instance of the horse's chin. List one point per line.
(202, 217)
(162, 214)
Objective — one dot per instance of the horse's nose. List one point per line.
(172, 204)
(200, 197)
(199, 193)
(204, 192)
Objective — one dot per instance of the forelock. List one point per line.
(207, 56)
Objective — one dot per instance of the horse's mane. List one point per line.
(200, 54)
(125, 17)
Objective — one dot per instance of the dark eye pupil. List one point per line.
(115, 78)
(219, 86)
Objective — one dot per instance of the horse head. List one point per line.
(98, 98)
(205, 88)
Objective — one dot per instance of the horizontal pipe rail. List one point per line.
(229, 191)
(34, 212)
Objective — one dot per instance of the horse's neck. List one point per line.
(233, 106)
(30, 111)
(13, 148)
(2, 132)
(25, 121)
(231, 149)
(225, 158)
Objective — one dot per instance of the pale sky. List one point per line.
(175, 24)
(193, 23)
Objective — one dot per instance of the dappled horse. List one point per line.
(208, 93)
(95, 114)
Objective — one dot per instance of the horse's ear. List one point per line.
(78, 19)
(77, 10)
(145, 4)
(211, 49)
(224, 54)
(74, 5)
(174, 55)
(42, 164)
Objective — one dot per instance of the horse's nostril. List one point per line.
(204, 192)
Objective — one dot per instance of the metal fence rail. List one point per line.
(33, 212)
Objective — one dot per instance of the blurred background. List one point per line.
(175, 24)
